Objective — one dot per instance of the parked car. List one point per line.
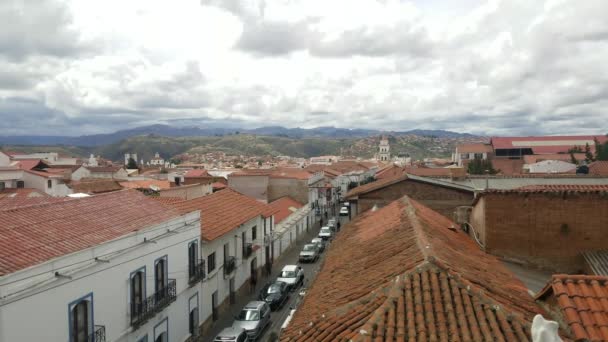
(325, 233)
(310, 253)
(344, 211)
(275, 294)
(254, 318)
(320, 243)
(332, 224)
(292, 275)
(231, 335)
(346, 204)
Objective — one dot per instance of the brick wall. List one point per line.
(441, 199)
(294, 188)
(549, 230)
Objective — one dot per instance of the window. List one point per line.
(210, 262)
(20, 184)
(244, 243)
(464, 156)
(2, 186)
(226, 251)
(192, 256)
(478, 156)
(177, 181)
(138, 286)
(161, 331)
(160, 277)
(254, 233)
(143, 339)
(81, 323)
(214, 303)
(49, 183)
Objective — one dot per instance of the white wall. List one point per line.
(57, 189)
(216, 281)
(5, 160)
(36, 298)
(80, 173)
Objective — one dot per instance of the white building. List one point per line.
(550, 166)
(465, 153)
(324, 160)
(52, 158)
(234, 227)
(292, 219)
(116, 267)
(384, 150)
(157, 160)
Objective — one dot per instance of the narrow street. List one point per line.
(289, 257)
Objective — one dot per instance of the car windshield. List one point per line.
(309, 248)
(249, 315)
(274, 288)
(288, 274)
(325, 230)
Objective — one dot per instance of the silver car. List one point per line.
(325, 233)
(231, 335)
(292, 275)
(310, 253)
(254, 318)
(320, 243)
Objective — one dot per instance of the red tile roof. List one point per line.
(167, 200)
(556, 188)
(598, 168)
(103, 169)
(35, 234)
(474, 148)
(28, 164)
(283, 208)
(389, 171)
(94, 185)
(197, 173)
(295, 173)
(373, 186)
(15, 198)
(428, 171)
(401, 274)
(145, 184)
(218, 185)
(224, 211)
(44, 174)
(583, 304)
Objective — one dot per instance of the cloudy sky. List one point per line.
(485, 67)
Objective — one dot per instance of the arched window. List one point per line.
(160, 277)
(81, 325)
(49, 183)
(192, 253)
(137, 292)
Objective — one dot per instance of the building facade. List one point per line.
(384, 153)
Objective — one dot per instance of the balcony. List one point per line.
(153, 304)
(100, 333)
(197, 273)
(247, 250)
(229, 265)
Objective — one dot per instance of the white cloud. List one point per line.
(489, 67)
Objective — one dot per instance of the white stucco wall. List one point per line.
(36, 298)
(5, 160)
(80, 173)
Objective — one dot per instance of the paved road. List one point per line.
(289, 257)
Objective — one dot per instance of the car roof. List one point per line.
(290, 268)
(325, 227)
(230, 331)
(310, 244)
(256, 304)
(316, 239)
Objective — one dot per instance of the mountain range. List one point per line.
(169, 131)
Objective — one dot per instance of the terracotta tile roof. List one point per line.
(224, 211)
(28, 164)
(599, 168)
(389, 171)
(583, 304)
(94, 185)
(102, 169)
(284, 207)
(145, 184)
(197, 173)
(22, 192)
(167, 200)
(556, 188)
(250, 172)
(44, 174)
(597, 262)
(474, 148)
(218, 185)
(378, 184)
(547, 144)
(508, 167)
(35, 234)
(401, 274)
(15, 198)
(295, 173)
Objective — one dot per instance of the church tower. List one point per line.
(384, 154)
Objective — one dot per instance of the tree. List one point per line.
(481, 167)
(588, 155)
(132, 164)
(573, 159)
(601, 150)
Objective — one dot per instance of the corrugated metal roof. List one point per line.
(598, 261)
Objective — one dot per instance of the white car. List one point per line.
(325, 233)
(346, 204)
(292, 275)
(332, 223)
(344, 211)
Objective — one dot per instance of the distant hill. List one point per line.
(169, 131)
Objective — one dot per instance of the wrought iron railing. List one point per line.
(196, 273)
(229, 265)
(140, 313)
(100, 333)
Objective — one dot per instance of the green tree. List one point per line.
(588, 155)
(481, 167)
(601, 150)
(131, 164)
(573, 159)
